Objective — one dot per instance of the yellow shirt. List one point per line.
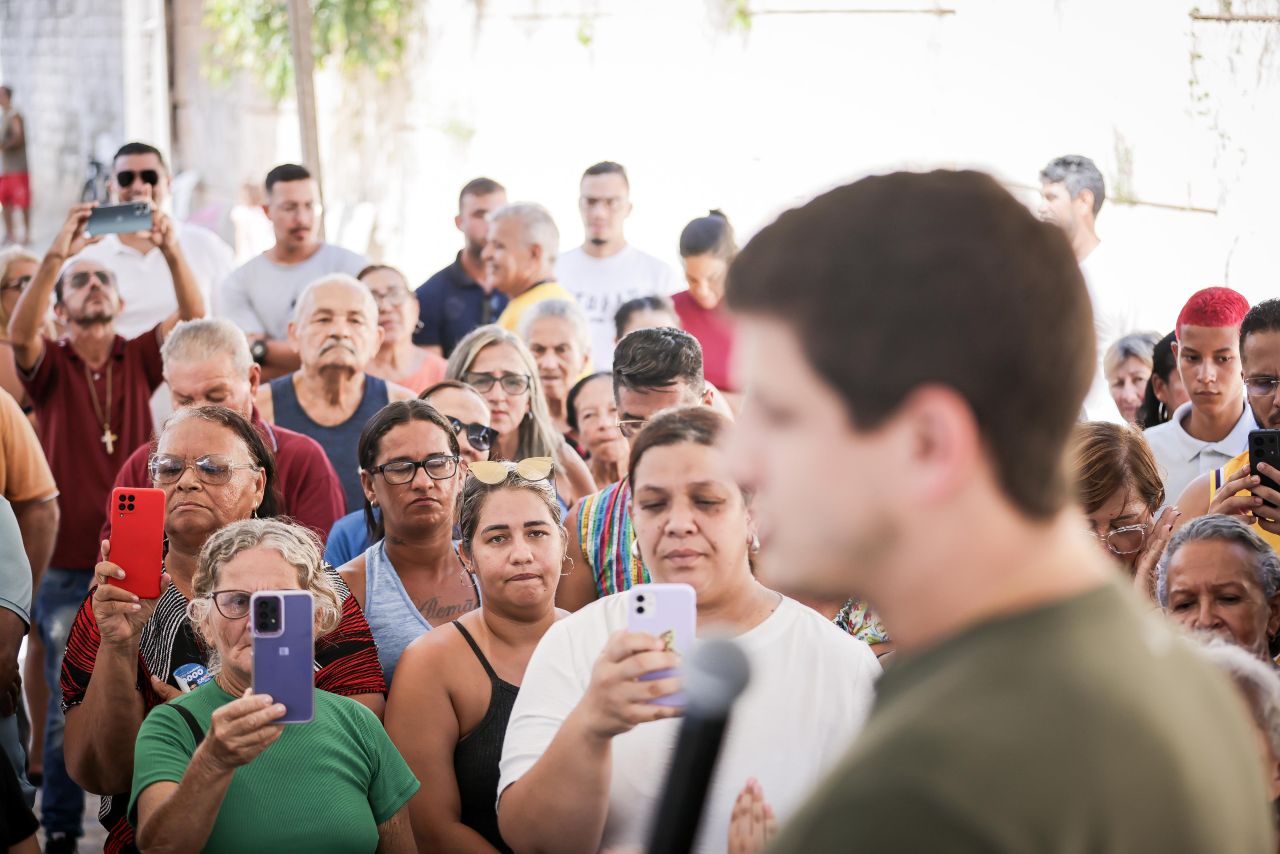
(515, 310)
(1220, 477)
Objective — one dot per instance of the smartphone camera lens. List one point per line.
(639, 609)
(267, 615)
(130, 498)
(640, 598)
(130, 506)
(121, 505)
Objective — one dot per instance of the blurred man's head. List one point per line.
(653, 370)
(207, 363)
(293, 206)
(1207, 350)
(521, 248)
(604, 200)
(893, 332)
(478, 199)
(1071, 194)
(335, 327)
(1260, 359)
(139, 174)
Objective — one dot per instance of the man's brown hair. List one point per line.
(903, 280)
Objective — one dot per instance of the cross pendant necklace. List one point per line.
(108, 439)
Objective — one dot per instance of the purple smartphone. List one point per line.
(668, 612)
(284, 651)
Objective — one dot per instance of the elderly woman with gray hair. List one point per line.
(559, 338)
(1218, 576)
(212, 769)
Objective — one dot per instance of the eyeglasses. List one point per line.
(1126, 540)
(479, 436)
(392, 298)
(81, 280)
(232, 604)
(1261, 386)
(494, 472)
(632, 426)
(212, 469)
(18, 284)
(511, 383)
(398, 472)
(126, 177)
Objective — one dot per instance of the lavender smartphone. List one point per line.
(668, 612)
(284, 650)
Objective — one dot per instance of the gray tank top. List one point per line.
(393, 618)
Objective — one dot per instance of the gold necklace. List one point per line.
(108, 438)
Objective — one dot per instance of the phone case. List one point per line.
(284, 659)
(137, 539)
(119, 219)
(668, 612)
(1264, 447)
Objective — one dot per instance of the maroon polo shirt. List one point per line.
(309, 488)
(71, 432)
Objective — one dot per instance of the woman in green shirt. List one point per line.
(245, 783)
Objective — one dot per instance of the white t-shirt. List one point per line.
(810, 691)
(145, 282)
(602, 285)
(1114, 316)
(259, 295)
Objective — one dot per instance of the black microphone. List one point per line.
(714, 675)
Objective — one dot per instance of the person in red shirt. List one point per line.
(91, 393)
(207, 362)
(706, 249)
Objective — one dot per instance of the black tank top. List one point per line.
(475, 759)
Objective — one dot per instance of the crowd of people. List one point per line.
(468, 477)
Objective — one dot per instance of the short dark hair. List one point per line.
(285, 173)
(1263, 317)
(132, 148)
(939, 259)
(479, 187)
(393, 415)
(571, 401)
(658, 358)
(1152, 411)
(653, 302)
(608, 167)
(709, 235)
(1077, 173)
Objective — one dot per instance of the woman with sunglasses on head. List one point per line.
(448, 713)
(497, 364)
(126, 655)
(586, 750)
(398, 360)
(410, 580)
(1118, 486)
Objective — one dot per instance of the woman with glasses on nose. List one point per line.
(410, 579)
(17, 268)
(398, 360)
(498, 365)
(125, 655)
(1120, 491)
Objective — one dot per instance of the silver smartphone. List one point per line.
(119, 219)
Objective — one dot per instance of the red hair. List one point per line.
(1214, 308)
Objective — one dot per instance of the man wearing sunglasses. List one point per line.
(91, 392)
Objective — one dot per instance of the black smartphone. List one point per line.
(1264, 447)
(119, 219)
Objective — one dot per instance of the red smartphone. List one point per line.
(137, 538)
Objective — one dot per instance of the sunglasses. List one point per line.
(479, 436)
(398, 472)
(19, 284)
(212, 469)
(494, 472)
(232, 604)
(81, 280)
(511, 383)
(126, 177)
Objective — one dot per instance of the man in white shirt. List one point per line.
(1071, 195)
(606, 271)
(1213, 426)
(260, 295)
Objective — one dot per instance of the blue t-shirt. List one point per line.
(348, 538)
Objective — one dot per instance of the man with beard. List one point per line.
(91, 393)
(459, 298)
(330, 397)
(261, 295)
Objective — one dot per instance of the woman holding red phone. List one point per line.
(583, 769)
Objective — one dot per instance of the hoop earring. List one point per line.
(419, 326)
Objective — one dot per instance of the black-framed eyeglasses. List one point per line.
(1261, 386)
(18, 284)
(232, 604)
(479, 436)
(398, 472)
(126, 177)
(511, 383)
(631, 426)
(213, 469)
(81, 279)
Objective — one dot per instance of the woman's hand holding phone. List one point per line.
(119, 613)
(616, 700)
(241, 730)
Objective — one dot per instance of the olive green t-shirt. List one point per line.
(323, 786)
(1082, 726)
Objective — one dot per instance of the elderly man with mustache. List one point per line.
(335, 331)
